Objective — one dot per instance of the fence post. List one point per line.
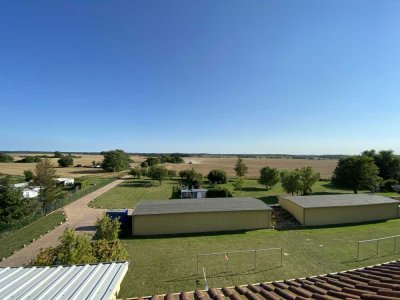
(255, 260)
(358, 250)
(395, 243)
(197, 264)
(377, 246)
(281, 257)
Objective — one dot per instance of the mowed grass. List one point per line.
(16, 240)
(162, 265)
(131, 192)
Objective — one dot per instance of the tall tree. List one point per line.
(66, 161)
(158, 172)
(240, 167)
(269, 177)
(13, 206)
(357, 172)
(291, 181)
(191, 178)
(217, 176)
(136, 172)
(387, 162)
(58, 154)
(44, 177)
(307, 179)
(115, 160)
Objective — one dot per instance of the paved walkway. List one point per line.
(80, 216)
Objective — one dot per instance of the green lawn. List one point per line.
(168, 264)
(130, 192)
(161, 265)
(16, 240)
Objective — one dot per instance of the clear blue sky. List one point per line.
(299, 77)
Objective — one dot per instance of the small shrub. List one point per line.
(217, 176)
(66, 161)
(46, 257)
(219, 192)
(107, 228)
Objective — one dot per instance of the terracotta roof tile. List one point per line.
(381, 282)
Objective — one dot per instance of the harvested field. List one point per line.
(205, 164)
(201, 164)
(85, 160)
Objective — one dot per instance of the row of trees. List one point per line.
(370, 170)
(64, 160)
(298, 181)
(6, 158)
(151, 161)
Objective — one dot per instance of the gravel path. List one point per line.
(80, 216)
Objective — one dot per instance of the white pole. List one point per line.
(205, 279)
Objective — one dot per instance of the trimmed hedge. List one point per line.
(219, 192)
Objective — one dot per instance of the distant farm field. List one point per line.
(201, 164)
(205, 164)
(85, 161)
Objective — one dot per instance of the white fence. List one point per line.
(394, 237)
(226, 255)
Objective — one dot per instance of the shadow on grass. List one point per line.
(269, 199)
(182, 235)
(253, 189)
(86, 228)
(331, 226)
(136, 183)
(355, 259)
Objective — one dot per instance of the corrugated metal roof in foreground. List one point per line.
(94, 281)
(177, 206)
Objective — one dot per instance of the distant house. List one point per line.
(21, 185)
(27, 192)
(65, 181)
(31, 192)
(193, 193)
